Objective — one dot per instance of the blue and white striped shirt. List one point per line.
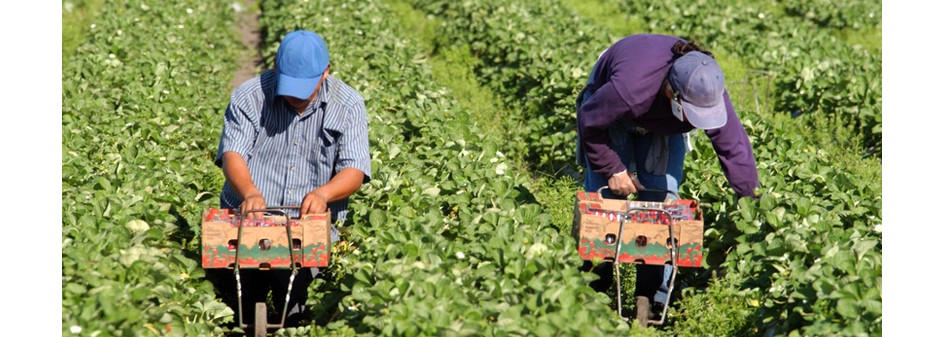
(290, 154)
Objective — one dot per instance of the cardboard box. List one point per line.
(265, 243)
(645, 237)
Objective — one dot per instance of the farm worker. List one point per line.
(297, 136)
(644, 94)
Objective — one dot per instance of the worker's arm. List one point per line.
(732, 145)
(237, 175)
(342, 185)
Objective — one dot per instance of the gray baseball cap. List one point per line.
(700, 83)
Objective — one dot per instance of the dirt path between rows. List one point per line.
(251, 61)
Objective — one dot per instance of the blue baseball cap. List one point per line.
(301, 60)
(700, 83)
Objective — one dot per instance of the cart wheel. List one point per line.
(261, 320)
(643, 311)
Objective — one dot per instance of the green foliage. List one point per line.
(811, 243)
(76, 15)
(723, 308)
(537, 70)
(137, 167)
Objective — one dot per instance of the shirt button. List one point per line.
(290, 192)
(293, 168)
(296, 143)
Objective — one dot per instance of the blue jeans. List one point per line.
(652, 280)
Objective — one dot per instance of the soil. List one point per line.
(251, 61)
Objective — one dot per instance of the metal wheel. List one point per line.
(643, 311)
(262, 320)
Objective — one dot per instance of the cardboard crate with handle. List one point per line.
(642, 227)
(266, 243)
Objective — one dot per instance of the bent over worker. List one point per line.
(643, 96)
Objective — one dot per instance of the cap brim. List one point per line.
(301, 88)
(705, 118)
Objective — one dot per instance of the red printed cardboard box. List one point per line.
(645, 237)
(265, 243)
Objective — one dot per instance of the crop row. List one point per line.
(141, 96)
(446, 240)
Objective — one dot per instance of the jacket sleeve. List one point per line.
(735, 154)
(601, 109)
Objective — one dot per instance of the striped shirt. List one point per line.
(289, 154)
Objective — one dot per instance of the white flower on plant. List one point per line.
(75, 329)
(576, 72)
(180, 26)
(119, 32)
(387, 188)
(878, 228)
(137, 225)
(493, 160)
(500, 154)
(761, 15)
(111, 56)
(536, 249)
(190, 11)
(460, 192)
(460, 255)
(92, 26)
(500, 169)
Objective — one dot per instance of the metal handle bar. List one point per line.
(236, 270)
(599, 190)
(673, 251)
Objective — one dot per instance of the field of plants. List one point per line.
(465, 229)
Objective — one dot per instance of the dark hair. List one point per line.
(679, 49)
(682, 48)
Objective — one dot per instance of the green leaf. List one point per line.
(377, 218)
(863, 247)
(847, 308)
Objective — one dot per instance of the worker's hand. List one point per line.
(314, 202)
(252, 202)
(623, 183)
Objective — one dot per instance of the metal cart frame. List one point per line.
(674, 249)
(261, 323)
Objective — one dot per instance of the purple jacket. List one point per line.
(626, 84)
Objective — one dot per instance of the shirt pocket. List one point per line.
(327, 152)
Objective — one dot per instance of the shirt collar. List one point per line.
(322, 99)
